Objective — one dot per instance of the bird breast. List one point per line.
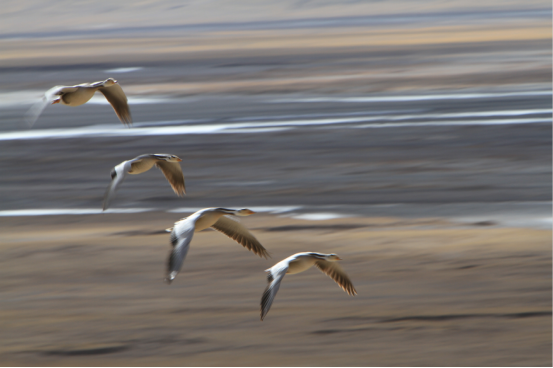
(79, 97)
(206, 220)
(300, 264)
(140, 166)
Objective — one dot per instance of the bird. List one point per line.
(81, 93)
(216, 218)
(300, 262)
(167, 163)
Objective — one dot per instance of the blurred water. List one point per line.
(376, 119)
(503, 214)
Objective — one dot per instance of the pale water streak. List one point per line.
(320, 216)
(98, 211)
(445, 96)
(458, 123)
(271, 126)
(99, 99)
(124, 70)
(511, 214)
(270, 209)
(472, 114)
(69, 211)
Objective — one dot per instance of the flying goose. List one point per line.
(300, 262)
(167, 163)
(80, 94)
(216, 218)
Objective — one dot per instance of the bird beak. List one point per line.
(250, 212)
(179, 160)
(338, 258)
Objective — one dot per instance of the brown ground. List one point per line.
(429, 293)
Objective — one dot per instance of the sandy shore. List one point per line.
(430, 293)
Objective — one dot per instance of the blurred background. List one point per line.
(411, 138)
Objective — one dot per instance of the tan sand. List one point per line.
(88, 290)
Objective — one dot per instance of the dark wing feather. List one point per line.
(118, 174)
(236, 231)
(173, 174)
(336, 273)
(118, 100)
(271, 291)
(181, 244)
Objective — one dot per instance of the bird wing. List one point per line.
(336, 273)
(236, 231)
(274, 278)
(118, 173)
(181, 244)
(173, 173)
(118, 100)
(34, 112)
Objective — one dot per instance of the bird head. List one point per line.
(169, 158)
(333, 257)
(244, 212)
(109, 82)
(172, 158)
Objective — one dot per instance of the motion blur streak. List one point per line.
(411, 138)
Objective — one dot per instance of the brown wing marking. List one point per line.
(118, 100)
(236, 231)
(336, 273)
(173, 174)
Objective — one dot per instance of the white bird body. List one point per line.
(296, 263)
(72, 96)
(201, 220)
(167, 163)
(300, 262)
(80, 94)
(141, 165)
(183, 231)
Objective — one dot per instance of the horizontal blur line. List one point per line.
(457, 123)
(475, 114)
(68, 211)
(272, 209)
(414, 98)
(371, 117)
(325, 115)
(184, 127)
(98, 211)
(398, 117)
(14, 99)
(480, 15)
(247, 128)
(124, 70)
(532, 214)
